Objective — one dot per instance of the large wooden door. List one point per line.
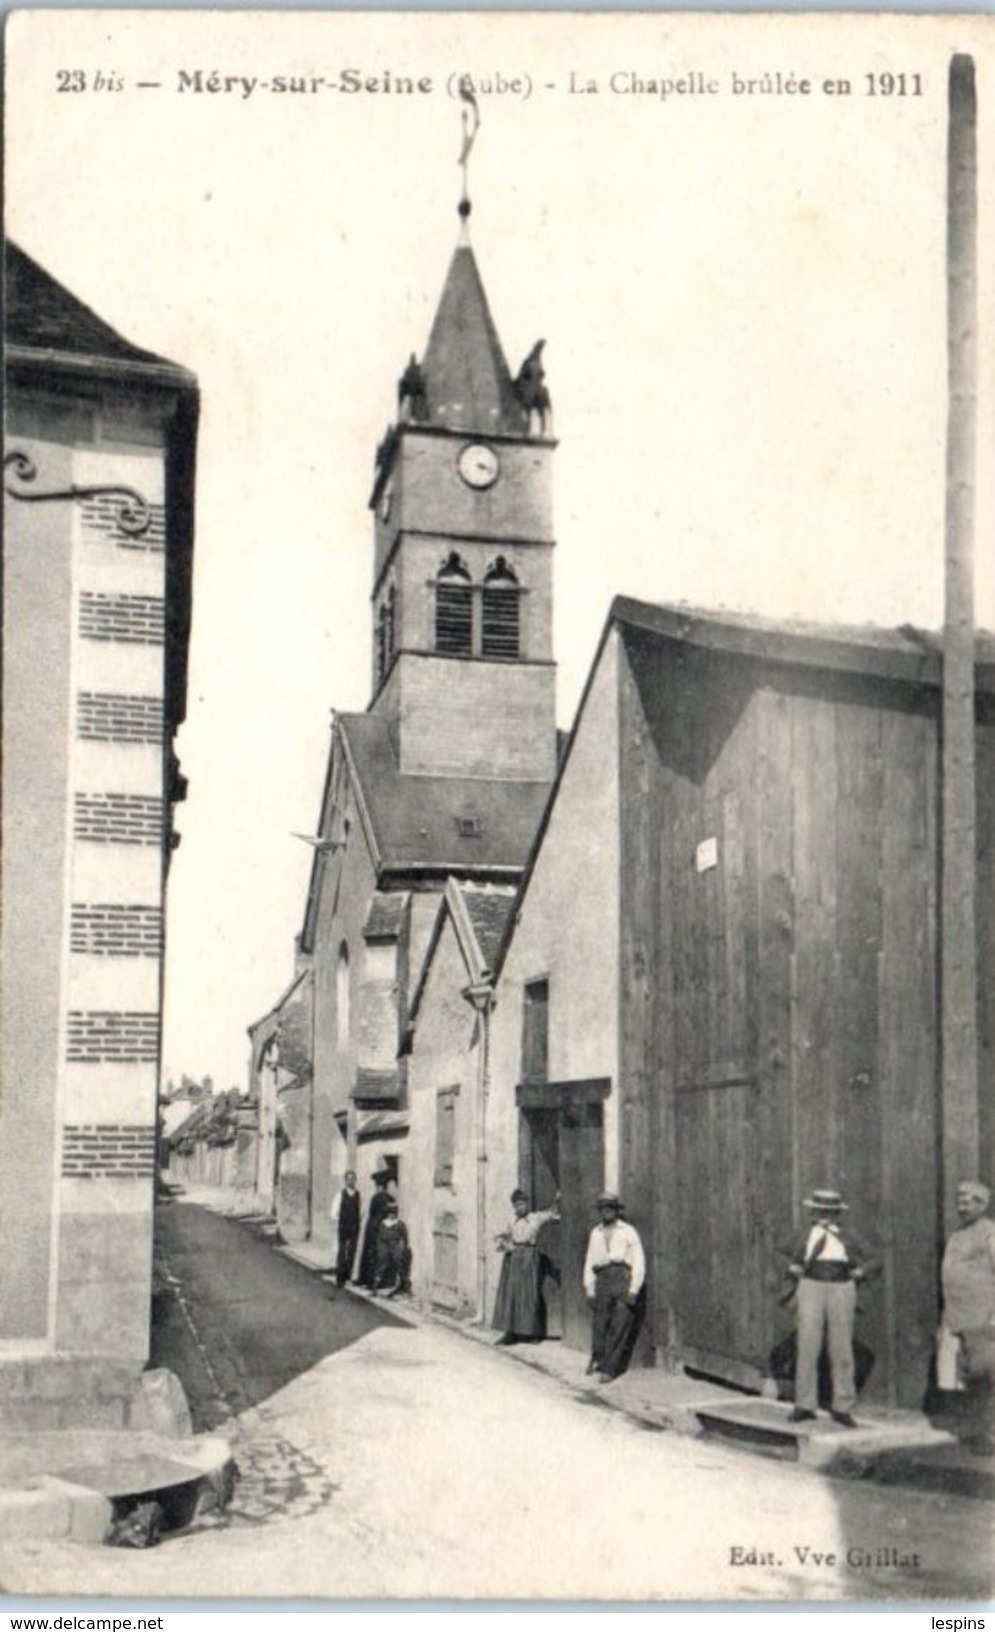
(539, 1146)
(563, 1149)
(721, 1279)
(582, 1168)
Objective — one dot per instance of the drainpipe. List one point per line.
(480, 996)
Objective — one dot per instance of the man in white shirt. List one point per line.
(614, 1275)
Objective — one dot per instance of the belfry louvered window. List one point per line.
(499, 625)
(454, 609)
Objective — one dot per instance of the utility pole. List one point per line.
(958, 943)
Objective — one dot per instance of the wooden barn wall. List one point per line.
(779, 1013)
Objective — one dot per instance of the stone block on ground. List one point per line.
(159, 1404)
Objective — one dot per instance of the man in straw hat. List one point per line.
(614, 1272)
(968, 1277)
(827, 1264)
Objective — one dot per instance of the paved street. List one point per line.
(236, 1320)
(410, 1461)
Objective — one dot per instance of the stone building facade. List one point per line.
(99, 470)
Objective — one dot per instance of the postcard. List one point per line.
(499, 797)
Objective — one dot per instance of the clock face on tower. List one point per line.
(478, 465)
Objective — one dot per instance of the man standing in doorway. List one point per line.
(346, 1210)
(969, 1309)
(614, 1273)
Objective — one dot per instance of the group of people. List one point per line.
(826, 1266)
(614, 1276)
(385, 1259)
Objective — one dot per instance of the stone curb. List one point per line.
(53, 1509)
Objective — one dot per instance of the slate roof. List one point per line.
(376, 1087)
(290, 1020)
(49, 335)
(381, 1123)
(40, 315)
(905, 653)
(385, 919)
(467, 383)
(488, 908)
(414, 819)
(294, 1038)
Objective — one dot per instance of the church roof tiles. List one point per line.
(417, 820)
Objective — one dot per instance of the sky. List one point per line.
(742, 294)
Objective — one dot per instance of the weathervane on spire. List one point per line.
(471, 124)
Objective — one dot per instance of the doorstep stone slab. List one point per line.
(132, 1475)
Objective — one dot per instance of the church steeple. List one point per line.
(467, 382)
(462, 591)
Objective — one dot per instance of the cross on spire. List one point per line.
(471, 124)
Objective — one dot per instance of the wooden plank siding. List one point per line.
(908, 1188)
(643, 1138)
(859, 864)
(778, 1194)
(779, 1009)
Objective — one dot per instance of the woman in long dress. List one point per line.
(519, 1309)
(374, 1217)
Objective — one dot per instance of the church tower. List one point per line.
(462, 582)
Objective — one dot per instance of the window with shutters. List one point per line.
(445, 1135)
(499, 624)
(535, 1031)
(454, 609)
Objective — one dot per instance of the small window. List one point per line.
(454, 609)
(500, 612)
(342, 994)
(445, 1135)
(468, 827)
(535, 1031)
